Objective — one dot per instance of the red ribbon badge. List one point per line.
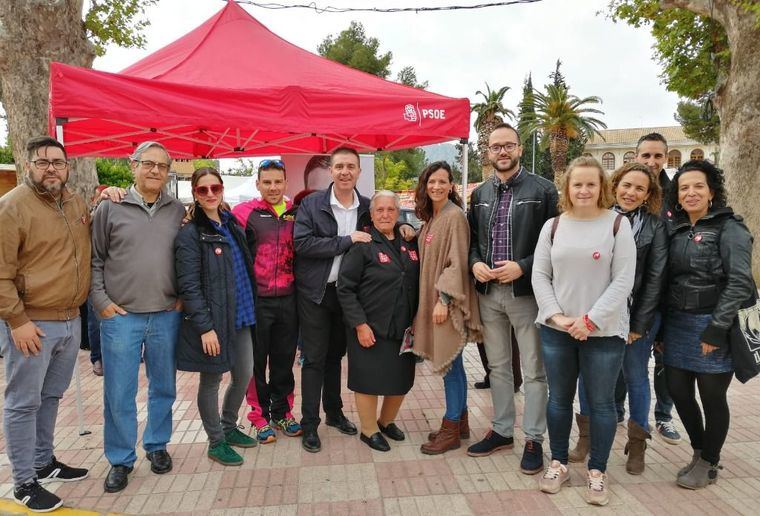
(218, 251)
(698, 237)
(383, 258)
(403, 249)
(413, 256)
(428, 238)
(596, 255)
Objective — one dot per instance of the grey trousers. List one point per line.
(499, 312)
(34, 386)
(208, 390)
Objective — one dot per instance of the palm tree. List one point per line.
(489, 113)
(562, 117)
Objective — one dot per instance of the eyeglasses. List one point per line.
(496, 148)
(211, 189)
(148, 165)
(43, 164)
(271, 163)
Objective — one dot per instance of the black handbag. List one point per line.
(745, 340)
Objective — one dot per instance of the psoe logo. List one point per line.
(435, 114)
(410, 113)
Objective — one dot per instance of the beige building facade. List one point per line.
(618, 146)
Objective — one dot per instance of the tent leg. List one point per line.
(59, 132)
(465, 172)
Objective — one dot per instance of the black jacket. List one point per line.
(206, 285)
(375, 280)
(649, 282)
(316, 240)
(534, 201)
(710, 269)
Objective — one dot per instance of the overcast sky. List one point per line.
(459, 51)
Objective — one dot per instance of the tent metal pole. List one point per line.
(465, 172)
(59, 131)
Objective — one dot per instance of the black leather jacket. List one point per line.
(534, 201)
(651, 263)
(710, 269)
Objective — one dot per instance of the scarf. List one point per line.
(635, 217)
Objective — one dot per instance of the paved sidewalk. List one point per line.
(347, 478)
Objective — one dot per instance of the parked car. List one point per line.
(407, 216)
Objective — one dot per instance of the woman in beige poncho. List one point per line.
(448, 316)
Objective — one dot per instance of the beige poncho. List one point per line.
(444, 243)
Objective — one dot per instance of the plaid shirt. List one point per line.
(501, 234)
(244, 312)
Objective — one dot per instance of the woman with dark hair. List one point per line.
(213, 267)
(448, 316)
(638, 196)
(709, 277)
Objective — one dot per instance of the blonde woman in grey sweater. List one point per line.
(583, 273)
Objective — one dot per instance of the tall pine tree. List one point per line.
(526, 117)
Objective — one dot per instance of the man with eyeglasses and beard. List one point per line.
(44, 277)
(134, 293)
(506, 215)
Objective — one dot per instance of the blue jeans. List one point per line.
(455, 388)
(93, 332)
(122, 340)
(599, 359)
(636, 375)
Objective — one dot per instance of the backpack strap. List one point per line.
(616, 225)
(555, 223)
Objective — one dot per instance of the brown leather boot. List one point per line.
(579, 453)
(635, 447)
(464, 427)
(447, 438)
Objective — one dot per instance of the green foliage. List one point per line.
(392, 175)
(121, 22)
(242, 167)
(408, 76)
(355, 49)
(526, 118)
(113, 172)
(206, 163)
(558, 79)
(474, 169)
(492, 108)
(699, 121)
(559, 112)
(6, 153)
(693, 50)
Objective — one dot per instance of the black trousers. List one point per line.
(275, 345)
(710, 433)
(324, 345)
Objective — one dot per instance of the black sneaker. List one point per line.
(533, 458)
(36, 498)
(492, 442)
(58, 471)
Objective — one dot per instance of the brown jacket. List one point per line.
(44, 256)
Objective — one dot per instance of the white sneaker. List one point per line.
(596, 492)
(554, 476)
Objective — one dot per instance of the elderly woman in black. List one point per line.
(378, 289)
(709, 277)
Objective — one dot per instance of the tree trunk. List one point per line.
(484, 133)
(738, 102)
(558, 146)
(33, 33)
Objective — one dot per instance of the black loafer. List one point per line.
(160, 461)
(117, 479)
(342, 423)
(375, 441)
(310, 441)
(392, 431)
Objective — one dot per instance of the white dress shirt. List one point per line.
(346, 219)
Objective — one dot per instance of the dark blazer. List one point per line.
(710, 269)
(649, 282)
(374, 279)
(206, 285)
(316, 240)
(534, 201)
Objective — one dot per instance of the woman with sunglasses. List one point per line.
(214, 281)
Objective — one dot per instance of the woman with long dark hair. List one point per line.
(213, 267)
(447, 316)
(709, 277)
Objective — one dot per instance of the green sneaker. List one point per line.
(223, 454)
(237, 438)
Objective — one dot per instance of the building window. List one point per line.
(674, 159)
(608, 161)
(697, 154)
(628, 157)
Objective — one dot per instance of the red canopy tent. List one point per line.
(231, 88)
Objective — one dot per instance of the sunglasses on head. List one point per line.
(271, 163)
(205, 190)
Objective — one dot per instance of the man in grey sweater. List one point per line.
(134, 294)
